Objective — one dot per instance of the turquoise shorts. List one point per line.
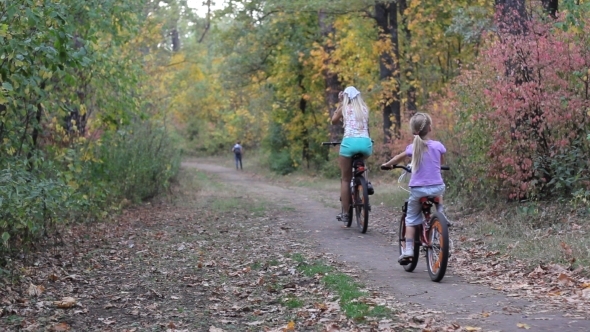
(353, 145)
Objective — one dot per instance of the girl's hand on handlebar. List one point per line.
(385, 167)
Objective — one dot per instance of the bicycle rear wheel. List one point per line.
(437, 256)
(361, 204)
(402, 244)
(349, 215)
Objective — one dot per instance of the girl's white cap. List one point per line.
(352, 92)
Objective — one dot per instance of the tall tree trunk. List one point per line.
(511, 15)
(305, 155)
(411, 107)
(550, 7)
(333, 84)
(386, 17)
(175, 40)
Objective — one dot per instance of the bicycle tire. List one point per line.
(437, 256)
(402, 242)
(361, 204)
(349, 215)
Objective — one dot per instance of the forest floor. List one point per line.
(232, 251)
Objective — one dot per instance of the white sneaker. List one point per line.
(343, 217)
(406, 254)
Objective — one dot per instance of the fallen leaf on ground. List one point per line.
(564, 279)
(332, 328)
(35, 290)
(471, 328)
(66, 302)
(60, 327)
(523, 326)
(290, 326)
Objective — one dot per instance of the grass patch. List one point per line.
(349, 292)
(316, 268)
(344, 285)
(298, 257)
(293, 302)
(226, 204)
(534, 234)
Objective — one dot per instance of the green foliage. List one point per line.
(281, 163)
(29, 201)
(136, 162)
(70, 72)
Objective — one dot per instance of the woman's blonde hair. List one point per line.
(419, 124)
(360, 109)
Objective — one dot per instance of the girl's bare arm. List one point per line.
(396, 160)
(337, 115)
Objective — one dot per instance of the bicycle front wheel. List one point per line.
(361, 204)
(437, 256)
(402, 244)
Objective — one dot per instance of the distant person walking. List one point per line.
(237, 150)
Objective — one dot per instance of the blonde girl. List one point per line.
(427, 157)
(354, 114)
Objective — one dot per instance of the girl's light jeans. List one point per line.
(414, 214)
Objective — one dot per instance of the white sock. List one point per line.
(409, 245)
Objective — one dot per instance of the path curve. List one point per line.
(462, 302)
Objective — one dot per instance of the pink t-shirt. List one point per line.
(428, 173)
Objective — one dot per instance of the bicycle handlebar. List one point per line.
(407, 169)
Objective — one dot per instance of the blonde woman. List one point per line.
(354, 114)
(427, 158)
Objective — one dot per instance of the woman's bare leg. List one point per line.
(346, 175)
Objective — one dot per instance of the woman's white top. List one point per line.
(352, 127)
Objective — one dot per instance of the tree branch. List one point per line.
(208, 23)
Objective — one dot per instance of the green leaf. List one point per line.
(7, 86)
(5, 237)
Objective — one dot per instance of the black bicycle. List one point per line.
(432, 235)
(359, 190)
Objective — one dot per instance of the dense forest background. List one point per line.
(99, 99)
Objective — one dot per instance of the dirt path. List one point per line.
(468, 304)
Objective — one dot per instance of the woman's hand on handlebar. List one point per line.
(385, 167)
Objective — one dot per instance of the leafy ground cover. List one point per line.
(206, 258)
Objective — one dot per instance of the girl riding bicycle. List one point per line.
(354, 114)
(426, 180)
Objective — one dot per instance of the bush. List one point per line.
(136, 162)
(281, 162)
(521, 115)
(65, 184)
(30, 201)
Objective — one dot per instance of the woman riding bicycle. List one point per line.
(426, 180)
(354, 114)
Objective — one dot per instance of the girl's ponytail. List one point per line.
(419, 124)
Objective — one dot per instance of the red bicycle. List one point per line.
(432, 236)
